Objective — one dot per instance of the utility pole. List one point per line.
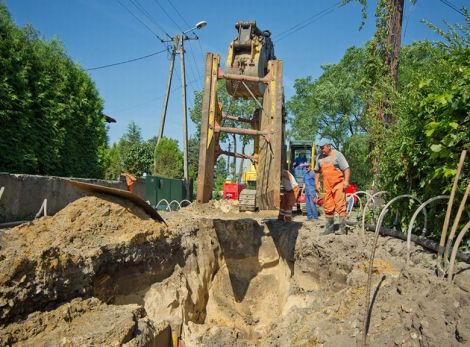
(178, 48)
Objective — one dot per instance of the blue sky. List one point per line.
(101, 32)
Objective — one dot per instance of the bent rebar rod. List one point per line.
(365, 209)
(368, 195)
(371, 261)
(177, 203)
(351, 197)
(410, 226)
(454, 252)
(450, 240)
(440, 253)
(42, 209)
(184, 200)
(167, 204)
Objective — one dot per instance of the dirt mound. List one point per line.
(56, 258)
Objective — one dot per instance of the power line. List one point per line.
(146, 14)
(149, 101)
(194, 60)
(448, 3)
(408, 18)
(125, 62)
(179, 14)
(309, 21)
(139, 20)
(169, 16)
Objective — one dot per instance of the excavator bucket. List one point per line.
(248, 55)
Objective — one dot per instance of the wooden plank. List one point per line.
(208, 142)
(97, 189)
(268, 187)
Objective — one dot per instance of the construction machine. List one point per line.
(251, 71)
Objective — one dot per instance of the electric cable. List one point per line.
(169, 16)
(309, 21)
(179, 14)
(194, 60)
(147, 14)
(151, 100)
(139, 20)
(127, 61)
(179, 79)
(408, 18)
(452, 6)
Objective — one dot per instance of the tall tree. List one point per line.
(329, 107)
(131, 154)
(50, 110)
(168, 159)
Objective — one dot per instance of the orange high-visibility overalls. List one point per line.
(288, 199)
(130, 181)
(335, 197)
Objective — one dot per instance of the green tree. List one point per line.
(168, 159)
(329, 107)
(433, 124)
(50, 110)
(131, 154)
(220, 174)
(193, 157)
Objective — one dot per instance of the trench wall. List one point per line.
(24, 194)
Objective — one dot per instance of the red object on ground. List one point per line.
(302, 199)
(351, 190)
(232, 190)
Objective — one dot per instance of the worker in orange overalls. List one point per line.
(291, 190)
(335, 173)
(130, 181)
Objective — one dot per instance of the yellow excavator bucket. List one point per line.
(248, 55)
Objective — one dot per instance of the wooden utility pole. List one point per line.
(178, 48)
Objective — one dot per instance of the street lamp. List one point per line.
(199, 25)
(178, 48)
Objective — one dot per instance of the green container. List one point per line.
(160, 189)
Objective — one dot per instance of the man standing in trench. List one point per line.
(335, 173)
(291, 190)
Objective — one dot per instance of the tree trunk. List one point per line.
(395, 23)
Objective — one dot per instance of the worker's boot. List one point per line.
(342, 226)
(329, 228)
